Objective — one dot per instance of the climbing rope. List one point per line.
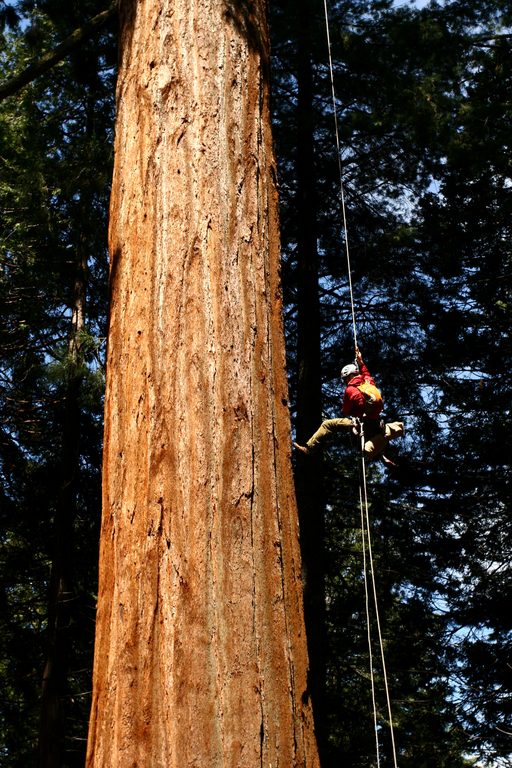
(363, 505)
(368, 561)
(340, 172)
(363, 492)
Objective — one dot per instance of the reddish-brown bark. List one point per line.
(200, 651)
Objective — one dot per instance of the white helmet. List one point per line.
(348, 371)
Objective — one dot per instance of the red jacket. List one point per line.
(354, 402)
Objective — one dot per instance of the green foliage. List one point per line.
(55, 149)
(424, 112)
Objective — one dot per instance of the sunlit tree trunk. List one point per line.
(200, 653)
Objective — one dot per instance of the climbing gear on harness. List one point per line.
(376, 444)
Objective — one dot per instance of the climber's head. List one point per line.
(348, 372)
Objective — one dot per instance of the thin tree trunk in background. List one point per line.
(309, 482)
(60, 591)
(200, 655)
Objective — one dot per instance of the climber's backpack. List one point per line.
(373, 398)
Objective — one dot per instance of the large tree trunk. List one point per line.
(200, 651)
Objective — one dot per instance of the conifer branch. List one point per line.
(50, 59)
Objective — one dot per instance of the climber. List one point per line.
(362, 405)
